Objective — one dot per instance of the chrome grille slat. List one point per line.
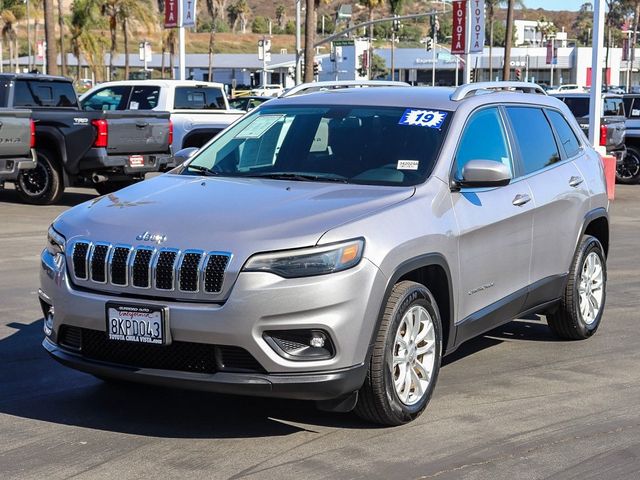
(193, 273)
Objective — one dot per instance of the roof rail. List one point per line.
(470, 89)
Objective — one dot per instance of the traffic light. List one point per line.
(429, 44)
(518, 74)
(316, 69)
(472, 75)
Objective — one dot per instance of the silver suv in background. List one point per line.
(335, 246)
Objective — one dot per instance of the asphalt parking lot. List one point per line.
(515, 403)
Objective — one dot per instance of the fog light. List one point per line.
(48, 320)
(317, 341)
(301, 345)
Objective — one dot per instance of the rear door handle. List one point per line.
(521, 199)
(575, 181)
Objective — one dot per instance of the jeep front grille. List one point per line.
(144, 267)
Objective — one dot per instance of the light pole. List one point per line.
(28, 36)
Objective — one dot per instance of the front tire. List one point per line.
(628, 172)
(42, 185)
(405, 362)
(582, 304)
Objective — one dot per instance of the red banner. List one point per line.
(171, 13)
(459, 41)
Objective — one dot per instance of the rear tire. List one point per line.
(42, 185)
(582, 305)
(105, 188)
(628, 172)
(405, 362)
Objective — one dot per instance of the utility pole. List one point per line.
(506, 69)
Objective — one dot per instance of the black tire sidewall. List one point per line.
(635, 178)
(590, 244)
(54, 189)
(416, 295)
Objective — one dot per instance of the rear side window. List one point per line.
(199, 98)
(144, 97)
(612, 107)
(579, 106)
(108, 98)
(533, 133)
(484, 138)
(44, 94)
(568, 139)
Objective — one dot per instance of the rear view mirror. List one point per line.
(484, 173)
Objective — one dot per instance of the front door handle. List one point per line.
(575, 181)
(521, 199)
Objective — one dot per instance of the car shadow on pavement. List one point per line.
(69, 199)
(532, 328)
(36, 387)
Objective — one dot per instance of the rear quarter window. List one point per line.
(199, 98)
(612, 107)
(31, 93)
(567, 137)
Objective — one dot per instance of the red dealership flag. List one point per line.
(458, 44)
(171, 13)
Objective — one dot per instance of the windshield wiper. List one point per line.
(299, 177)
(204, 170)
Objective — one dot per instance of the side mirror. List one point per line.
(183, 155)
(484, 173)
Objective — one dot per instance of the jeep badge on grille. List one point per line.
(152, 237)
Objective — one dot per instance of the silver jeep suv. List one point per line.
(335, 246)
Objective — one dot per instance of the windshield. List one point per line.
(367, 145)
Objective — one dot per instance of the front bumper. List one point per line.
(325, 385)
(345, 305)
(10, 168)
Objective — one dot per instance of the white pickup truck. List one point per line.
(199, 110)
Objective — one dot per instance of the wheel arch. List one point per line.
(596, 223)
(432, 271)
(51, 140)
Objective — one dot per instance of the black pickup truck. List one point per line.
(17, 138)
(104, 150)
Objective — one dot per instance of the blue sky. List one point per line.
(555, 4)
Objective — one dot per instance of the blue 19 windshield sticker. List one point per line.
(422, 118)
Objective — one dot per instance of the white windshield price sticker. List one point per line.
(422, 118)
(408, 165)
(259, 126)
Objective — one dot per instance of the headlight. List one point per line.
(55, 242)
(307, 262)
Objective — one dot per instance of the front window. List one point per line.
(348, 144)
(108, 98)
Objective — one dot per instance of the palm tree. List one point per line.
(134, 10)
(9, 36)
(85, 15)
(371, 6)
(49, 36)
(212, 9)
(122, 12)
(63, 54)
(281, 16)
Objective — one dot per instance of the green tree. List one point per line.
(260, 24)
(85, 16)
(377, 67)
(583, 23)
(121, 13)
(238, 12)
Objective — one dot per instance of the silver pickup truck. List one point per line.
(17, 138)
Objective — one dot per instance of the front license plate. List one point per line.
(136, 161)
(136, 323)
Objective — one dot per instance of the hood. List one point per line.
(241, 216)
